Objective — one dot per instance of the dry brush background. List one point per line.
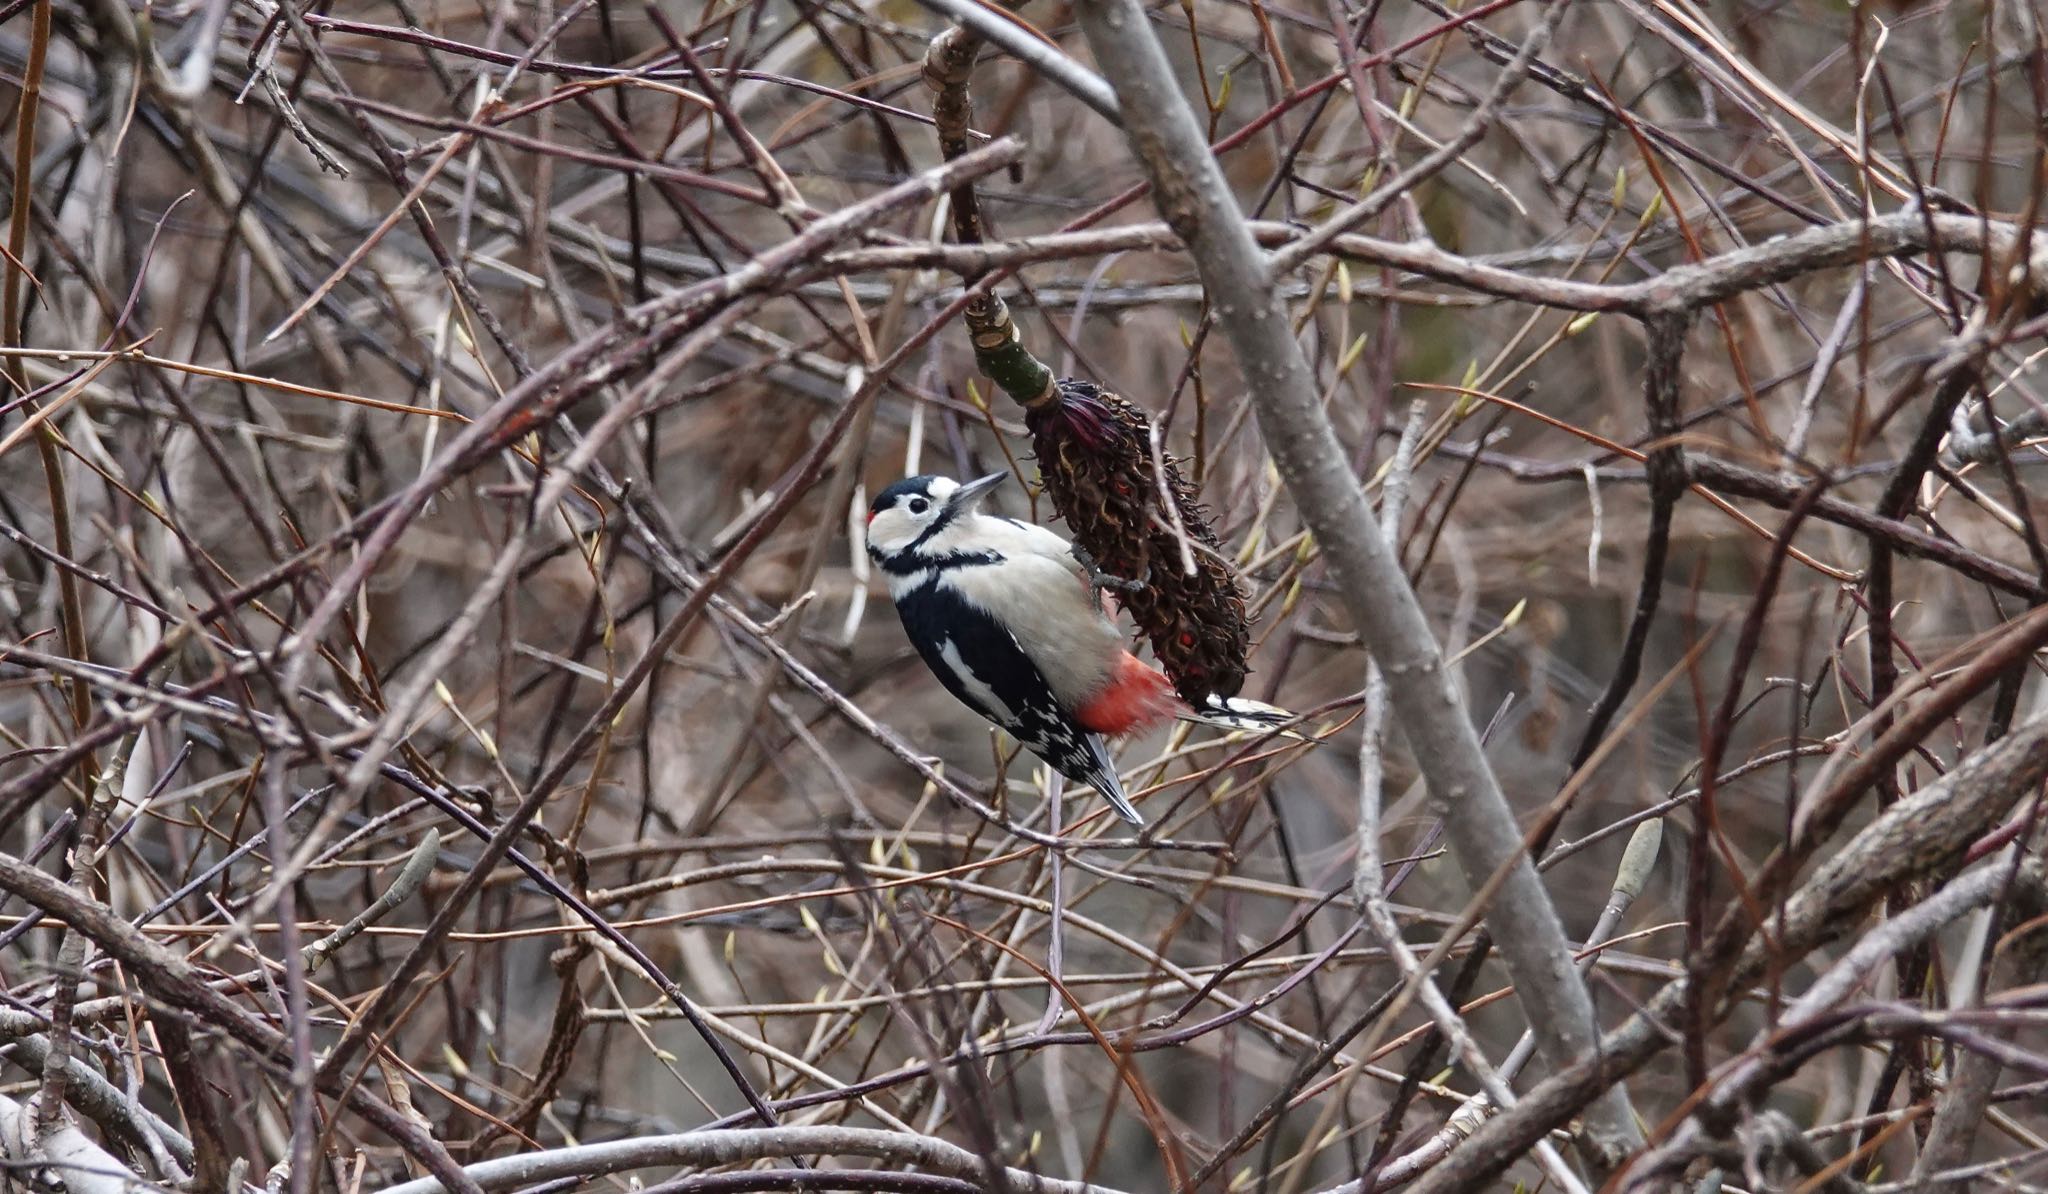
(450, 730)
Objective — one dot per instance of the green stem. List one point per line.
(999, 350)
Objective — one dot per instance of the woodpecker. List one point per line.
(1011, 621)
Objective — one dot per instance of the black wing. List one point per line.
(980, 662)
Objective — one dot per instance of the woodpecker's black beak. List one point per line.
(964, 497)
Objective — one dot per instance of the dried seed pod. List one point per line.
(1095, 454)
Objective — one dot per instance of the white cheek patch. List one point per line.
(950, 652)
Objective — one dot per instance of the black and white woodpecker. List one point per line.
(1012, 623)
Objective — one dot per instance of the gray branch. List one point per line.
(1680, 288)
(68, 1157)
(740, 1145)
(1920, 835)
(1190, 191)
(1746, 1080)
(104, 1103)
(1961, 1109)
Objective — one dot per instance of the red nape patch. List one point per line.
(1136, 699)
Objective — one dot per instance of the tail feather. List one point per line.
(1241, 713)
(1103, 778)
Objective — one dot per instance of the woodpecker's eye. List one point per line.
(918, 505)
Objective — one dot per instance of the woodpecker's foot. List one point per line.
(1105, 580)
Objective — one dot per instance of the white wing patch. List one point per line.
(950, 652)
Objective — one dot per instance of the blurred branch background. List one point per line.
(451, 731)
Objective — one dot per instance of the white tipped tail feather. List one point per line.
(1242, 713)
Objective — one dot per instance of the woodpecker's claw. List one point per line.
(1105, 580)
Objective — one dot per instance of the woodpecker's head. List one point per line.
(923, 515)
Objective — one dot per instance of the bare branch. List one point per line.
(62, 1152)
(1190, 191)
(737, 1146)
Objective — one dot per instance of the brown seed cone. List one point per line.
(1095, 453)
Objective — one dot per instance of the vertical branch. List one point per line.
(1898, 495)
(1190, 191)
(1707, 829)
(298, 1028)
(1879, 601)
(998, 346)
(212, 1160)
(13, 327)
(2021, 959)
(1665, 466)
(72, 948)
(1365, 872)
